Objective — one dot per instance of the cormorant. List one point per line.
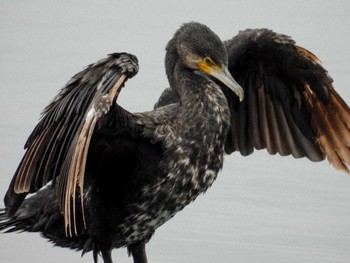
(117, 176)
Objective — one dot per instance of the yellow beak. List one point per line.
(224, 76)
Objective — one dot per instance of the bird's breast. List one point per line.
(192, 155)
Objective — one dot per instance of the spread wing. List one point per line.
(290, 106)
(58, 146)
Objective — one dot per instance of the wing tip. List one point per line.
(332, 122)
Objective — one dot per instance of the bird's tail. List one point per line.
(16, 223)
(34, 215)
(5, 222)
(2, 218)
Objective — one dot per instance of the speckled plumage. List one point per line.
(193, 148)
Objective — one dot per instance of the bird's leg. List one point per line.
(138, 252)
(107, 256)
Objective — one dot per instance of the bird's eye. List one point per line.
(208, 61)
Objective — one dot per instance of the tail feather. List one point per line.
(6, 225)
(40, 213)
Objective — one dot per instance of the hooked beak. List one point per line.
(225, 77)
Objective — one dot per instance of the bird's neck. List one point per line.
(204, 108)
(196, 148)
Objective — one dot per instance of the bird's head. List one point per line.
(201, 50)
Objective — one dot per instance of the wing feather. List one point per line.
(291, 106)
(332, 123)
(58, 146)
(288, 141)
(275, 138)
(253, 124)
(244, 144)
(263, 120)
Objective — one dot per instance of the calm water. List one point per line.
(262, 208)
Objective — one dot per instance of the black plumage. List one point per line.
(117, 176)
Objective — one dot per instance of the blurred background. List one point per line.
(261, 208)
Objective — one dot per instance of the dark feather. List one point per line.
(286, 89)
(53, 140)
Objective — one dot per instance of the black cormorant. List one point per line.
(117, 176)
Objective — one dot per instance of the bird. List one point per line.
(103, 178)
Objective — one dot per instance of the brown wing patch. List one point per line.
(332, 123)
(27, 169)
